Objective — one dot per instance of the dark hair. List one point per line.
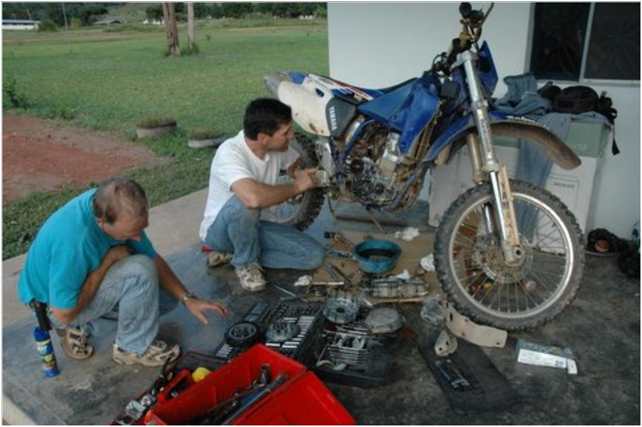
(265, 115)
(119, 194)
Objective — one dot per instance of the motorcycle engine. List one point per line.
(372, 163)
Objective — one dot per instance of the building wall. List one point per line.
(381, 44)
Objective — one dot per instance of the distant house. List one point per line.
(110, 20)
(20, 24)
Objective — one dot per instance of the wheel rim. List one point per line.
(522, 291)
(288, 211)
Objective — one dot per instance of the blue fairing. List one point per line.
(406, 109)
(455, 130)
(489, 77)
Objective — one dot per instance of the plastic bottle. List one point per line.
(46, 352)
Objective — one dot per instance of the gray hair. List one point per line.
(117, 195)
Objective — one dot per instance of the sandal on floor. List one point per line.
(75, 345)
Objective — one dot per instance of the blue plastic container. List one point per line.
(376, 256)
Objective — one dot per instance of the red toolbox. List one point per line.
(302, 399)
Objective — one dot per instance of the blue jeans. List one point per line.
(131, 291)
(239, 230)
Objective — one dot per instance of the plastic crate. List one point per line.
(302, 399)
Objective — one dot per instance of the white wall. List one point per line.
(381, 44)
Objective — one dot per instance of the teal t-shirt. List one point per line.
(68, 247)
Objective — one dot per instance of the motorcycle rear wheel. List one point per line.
(300, 211)
(472, 272)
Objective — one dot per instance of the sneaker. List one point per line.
(251, 277)
(74, 343)
(156, 354)
(216, 259)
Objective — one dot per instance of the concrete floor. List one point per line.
(602, 327)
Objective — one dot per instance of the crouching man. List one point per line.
(92, 259)
(243, 182)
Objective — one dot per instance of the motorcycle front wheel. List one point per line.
(471, 268)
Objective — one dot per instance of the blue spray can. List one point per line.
(46, 352)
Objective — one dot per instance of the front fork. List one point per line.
(484, 162)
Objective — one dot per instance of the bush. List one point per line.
(154, 13)
(47, 25)
(156, 122)
(15, 98)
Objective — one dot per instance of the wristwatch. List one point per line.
(188, 295)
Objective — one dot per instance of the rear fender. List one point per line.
(509, 127)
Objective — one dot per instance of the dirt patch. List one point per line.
(41, 155)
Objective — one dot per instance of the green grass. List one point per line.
(112, 80)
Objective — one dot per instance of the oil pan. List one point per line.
(376, 256)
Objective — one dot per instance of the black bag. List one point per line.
(575, 100)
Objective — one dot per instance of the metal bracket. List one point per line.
(462, 327)
(445, 344)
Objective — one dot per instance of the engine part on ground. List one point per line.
(397, 288)
(384, 320)
(242, 334)
(377, 256)
(341, 310)
(445, 344)
(281, 331)
(462, 327)
(306, 318)
(349, 355)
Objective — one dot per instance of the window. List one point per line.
(575, 41)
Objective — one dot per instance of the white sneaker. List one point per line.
(251, 277)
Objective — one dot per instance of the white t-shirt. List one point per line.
(234, 161)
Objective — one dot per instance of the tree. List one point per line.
(190, 27)
(171, 30)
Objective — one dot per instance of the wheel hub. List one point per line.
(488, 254)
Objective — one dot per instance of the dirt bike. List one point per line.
(507, 253)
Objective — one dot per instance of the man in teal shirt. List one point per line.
(91, 258)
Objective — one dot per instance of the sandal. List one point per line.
(75, 345)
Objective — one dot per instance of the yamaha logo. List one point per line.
(333, 118)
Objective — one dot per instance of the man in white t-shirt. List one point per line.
(243, 180)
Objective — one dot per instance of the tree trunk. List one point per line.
(64, 16)
(171, 30)
(190, 26)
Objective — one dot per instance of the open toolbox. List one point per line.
(301, 398)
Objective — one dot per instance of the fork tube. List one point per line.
(480, 113)
(497, 194)
(473, 150)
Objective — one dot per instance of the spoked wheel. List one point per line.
(471, 266)
(302, 210)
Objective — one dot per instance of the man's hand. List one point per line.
(115, 254)
(198, 307)
(305, 179)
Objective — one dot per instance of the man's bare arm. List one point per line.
(255, 195)
(91, 285)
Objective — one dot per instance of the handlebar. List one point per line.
(472, 21)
